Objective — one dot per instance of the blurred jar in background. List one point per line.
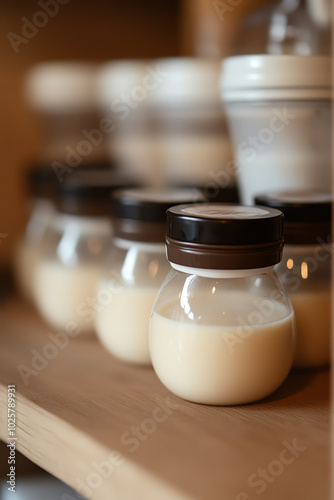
(42, 186)
(63, 95)
(300, 27)
(193, 140)
(125, 89)
(74, 250)
(137, 260)
(305, 269)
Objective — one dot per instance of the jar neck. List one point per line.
(140, 245)
(222, 273)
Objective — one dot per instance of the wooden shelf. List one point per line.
(84, 406)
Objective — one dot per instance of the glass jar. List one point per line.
(74, 250)
(305, 269)
(134, 270)
(42, 184)
(222, 328)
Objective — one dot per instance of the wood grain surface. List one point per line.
(113, 431)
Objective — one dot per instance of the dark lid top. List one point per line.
(87, 192)
(140, 214)
(42, 182)
(224, 236)
(307, 214)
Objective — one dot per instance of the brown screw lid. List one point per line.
(307, 214)
(42, 182)
(88, 192)
(224, 236)
(140, 214)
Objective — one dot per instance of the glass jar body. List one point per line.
(68, 269)
(222, 340)
(305, 272)
(29, 246)
(128, 286)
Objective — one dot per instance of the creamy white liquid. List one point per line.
(26, 258)
(65, 293)
(312, 313)
(221, 365)
(123, 325)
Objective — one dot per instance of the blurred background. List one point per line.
(97, 32)
(104, 31)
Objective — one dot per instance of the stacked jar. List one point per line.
(135, 269)
(305, 269)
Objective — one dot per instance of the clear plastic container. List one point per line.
(222, 328)
(74, 249)
(42, 185)
(279, 114)
(134, 270)
(305, 270)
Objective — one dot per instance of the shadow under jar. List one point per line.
(222, 328)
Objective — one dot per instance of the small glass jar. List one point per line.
(222, 327)
(305, 269)
(74, 250)
(134, 270)
(42, 184)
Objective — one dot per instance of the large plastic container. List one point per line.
(279, 113)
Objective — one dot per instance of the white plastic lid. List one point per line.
(62, 86)
(188, 79)
(276, 77)
(121, 77)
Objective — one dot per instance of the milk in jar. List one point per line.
(42, 184)
(67, 272)
(137, 262)
(305, 269)
(222, 328)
